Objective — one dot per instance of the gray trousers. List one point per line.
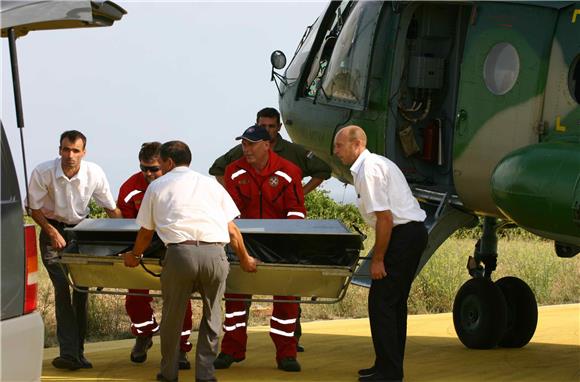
(71, 313)
(188, 269)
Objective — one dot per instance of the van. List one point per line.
(21, 326)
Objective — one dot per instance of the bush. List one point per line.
(96, 211)
(320, 206)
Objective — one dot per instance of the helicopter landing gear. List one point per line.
(522, 312)
(488, 314)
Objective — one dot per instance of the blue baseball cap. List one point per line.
(255, 133)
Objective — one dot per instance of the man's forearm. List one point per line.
(114, 214)
(237, 241)
(40, 219)
(383, 230)
(311, 185)
(247, 262)
(142, 241)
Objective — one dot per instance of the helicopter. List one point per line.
(477, 103)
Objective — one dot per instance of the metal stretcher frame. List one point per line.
(105, 273)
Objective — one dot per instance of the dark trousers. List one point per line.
(387, 301)
(70, 311)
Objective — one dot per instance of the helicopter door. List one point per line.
(501, 90)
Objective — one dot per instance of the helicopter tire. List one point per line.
(480, 314)
(522, 312)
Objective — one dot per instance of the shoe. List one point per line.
(299, 348)
(85, 362)
(224, 361)
(139, 352)
(68, 363)
(183, 361)
(206, 380)
(366, 372)
(289, 364)
(161, 378)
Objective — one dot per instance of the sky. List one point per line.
(192, 71)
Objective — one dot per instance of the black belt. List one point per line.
(195, 242)
(57, 224)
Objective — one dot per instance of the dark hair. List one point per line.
(149, 151)
(268, 112)
(176, 150)
(73, 135)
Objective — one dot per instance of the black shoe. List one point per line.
(299, 348)
(161, 378)
(66, 363)
(206, 380)
(224, 361)
(183, 361)
(139, 352)
(289, 364)
(377, 377)
(366, 372)
(85, 362)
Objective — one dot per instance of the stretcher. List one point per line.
(314, 260)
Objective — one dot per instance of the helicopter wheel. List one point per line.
(480, 314)
(522, 312)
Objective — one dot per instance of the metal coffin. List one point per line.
(303, 258)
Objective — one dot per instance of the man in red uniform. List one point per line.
(143, 323)
(264, 186)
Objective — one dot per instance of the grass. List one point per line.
(553, 280)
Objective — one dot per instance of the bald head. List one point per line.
(349, 143)
(353, 133)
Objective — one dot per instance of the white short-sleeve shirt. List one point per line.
(185, 205)
(67, 200)
(381, 186)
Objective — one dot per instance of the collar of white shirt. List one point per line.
(180, 168)
(79, 175)
(354, 169)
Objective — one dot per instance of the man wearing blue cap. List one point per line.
(264, 186)
(310, 165)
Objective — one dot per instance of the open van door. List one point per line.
(26, 16)
(21, 327)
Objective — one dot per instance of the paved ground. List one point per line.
(336, 349)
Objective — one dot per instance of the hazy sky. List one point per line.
(193, 71)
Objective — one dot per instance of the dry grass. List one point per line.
(553, 280)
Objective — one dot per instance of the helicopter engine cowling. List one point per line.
(538, 187)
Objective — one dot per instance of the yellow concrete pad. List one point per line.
(335, 350)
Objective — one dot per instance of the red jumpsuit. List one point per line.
(138, 308)
(274, 193)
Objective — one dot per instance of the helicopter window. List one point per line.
(345, 78)
(574, 78)
(303, 50)
(320, 62)
(501, 68)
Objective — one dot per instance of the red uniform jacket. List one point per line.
(131, 194)
(273, 193)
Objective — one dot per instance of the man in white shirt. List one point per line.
(193, 216)
(58, 197)
(387, 204)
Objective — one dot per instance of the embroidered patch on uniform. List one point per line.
(273, 181)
